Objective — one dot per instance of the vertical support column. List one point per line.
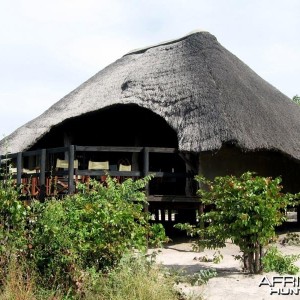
(145, 173)
(43, 167)
(19, 168)
(67, 143)
(71, 155)
(135, 156)
(201, 205)
(43, 189)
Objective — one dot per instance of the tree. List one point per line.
(245, 209)
(296, 99)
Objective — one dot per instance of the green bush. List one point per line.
(134, 278)
(92, 228)
(274, 260)
(60, 239)
(13, 220)
(245, 209)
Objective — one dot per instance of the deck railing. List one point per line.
(45, 166)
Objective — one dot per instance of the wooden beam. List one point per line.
(71, 156)
(31, 153)
(171, 175)
(162, 150)
(43, 167)
(173, 199)
(145, 173)
(108, 149)
(57, 150)
(19, 168)
(10, 155)
(111, 173)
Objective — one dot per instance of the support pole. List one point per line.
(201, 205)
(43, 191)
(43, 167)
(71, 155)
(19, 168)
(145, 173)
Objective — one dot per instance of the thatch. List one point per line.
(204, 92)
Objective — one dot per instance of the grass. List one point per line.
(135, 278)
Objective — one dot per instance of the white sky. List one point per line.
(48, 48)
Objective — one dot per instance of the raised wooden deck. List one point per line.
(40, 167)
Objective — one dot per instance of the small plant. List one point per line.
(134, 278)
(291, 238)
(217, 257)
(203, 258)
(200, 277)
(157, 235)
(197, 278)
(274, 260)
(296, 99)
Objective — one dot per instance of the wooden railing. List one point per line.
(46, 168)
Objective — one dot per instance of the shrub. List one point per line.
(134, 278)
(93, 228)
(60, 239)
(13, 220)
(245, 209)
(274, 260)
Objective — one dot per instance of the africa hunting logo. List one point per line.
(282, 285)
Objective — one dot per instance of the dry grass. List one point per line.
(133, 279)
(18, 285)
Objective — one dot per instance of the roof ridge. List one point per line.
(144, 49)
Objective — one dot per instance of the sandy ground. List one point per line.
(231, 282)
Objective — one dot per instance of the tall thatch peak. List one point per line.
(172, 41)
(204, 92)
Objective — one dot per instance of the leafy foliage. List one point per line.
(296, 99)
(134, 278)
(292, 238)
(91, 229)
(13, 220)
(201, 277)
(195, 279)
(245, 209)
(274, 260)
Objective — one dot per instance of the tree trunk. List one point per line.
(257, 267)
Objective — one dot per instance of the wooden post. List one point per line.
(43, 191)
(43, 167)
(201, 205)
(19, 168)
(71, 155)
(145, 173)
(67, 143)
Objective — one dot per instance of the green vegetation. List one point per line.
(274, 260)
(296, 99)
(200, 277)
(245, 209)
(88, 246)
(292, 238)
(133, 278)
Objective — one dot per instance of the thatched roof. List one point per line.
(204, 92)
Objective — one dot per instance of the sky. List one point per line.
(48, 48)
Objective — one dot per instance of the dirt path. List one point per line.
(231, 283)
